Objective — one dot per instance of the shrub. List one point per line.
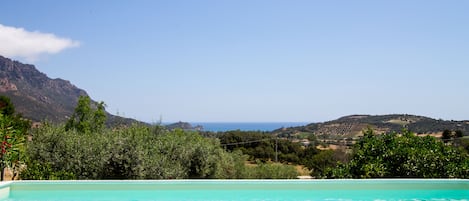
(271, 171)
(402, 155)
(137, 152)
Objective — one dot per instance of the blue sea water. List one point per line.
(246, 126)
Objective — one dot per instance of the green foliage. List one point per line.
(231, 165)
(85, 118)
(458, 134)
(11, 146)
(37, 171)
(447, 134)
(321, 161)
(136, 152)
(6, 107)
(464, 144)
(260, 145)
(270, 171)
(402, 155)
(13, 129)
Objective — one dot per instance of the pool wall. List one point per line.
(124, 190)
(342, 184)
(4, 190)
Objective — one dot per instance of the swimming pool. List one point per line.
(236, 190)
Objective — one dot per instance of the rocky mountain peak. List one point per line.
(37, 96)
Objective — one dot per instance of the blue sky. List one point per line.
(256, 61)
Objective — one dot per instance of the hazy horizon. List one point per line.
(250, 61)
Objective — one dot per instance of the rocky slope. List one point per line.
(38, 97)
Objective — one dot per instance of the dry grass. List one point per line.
(302, 170)
(328, 147)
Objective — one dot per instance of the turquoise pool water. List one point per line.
(236, 190)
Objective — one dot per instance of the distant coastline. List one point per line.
(245, 126)
(228, 126)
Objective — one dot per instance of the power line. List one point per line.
(246, 142)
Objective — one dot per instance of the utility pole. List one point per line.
(276, 149)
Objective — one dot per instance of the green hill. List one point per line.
(353, 125)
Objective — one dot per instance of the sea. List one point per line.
(245, 126)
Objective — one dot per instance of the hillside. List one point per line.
(38, 97)
(184, 126)
(351, 126)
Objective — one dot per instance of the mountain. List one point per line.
(38, 97)
(353, 125)
(184, 126)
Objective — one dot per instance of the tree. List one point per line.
(405, 155)
(447, 134)
(458, 134)
(321, 161)
(87, 118)
(6, 107)
(8, 110)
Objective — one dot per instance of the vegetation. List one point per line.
(137, 152)
(84, 148)
(402, 155)
(132, 153)
(351, 126)
(13, 130)
(267, 147)
(85, 118)
(270, 171)
(264, 146)
(7, 109)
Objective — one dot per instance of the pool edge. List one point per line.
(5, 189)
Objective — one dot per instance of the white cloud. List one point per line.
(17, 42)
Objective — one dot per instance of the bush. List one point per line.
(36, 171)
(271, 171)
(402, 155)
(137, 152)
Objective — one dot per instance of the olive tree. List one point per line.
(402, 155)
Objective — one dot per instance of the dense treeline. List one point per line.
(137, 152)
(268, 147)
(132, 153)
(264, 146)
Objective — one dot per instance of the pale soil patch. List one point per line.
(250, 164)
(437, 135)
(302, 170)
(329, 147)
(398, 121)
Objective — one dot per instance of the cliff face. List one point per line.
(38, 97)
(35, 95)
